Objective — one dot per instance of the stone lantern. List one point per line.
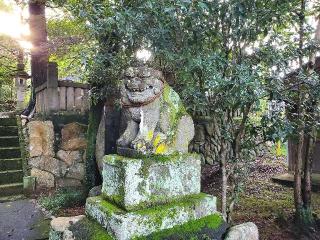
(21, 86)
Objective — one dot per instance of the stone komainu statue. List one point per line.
(155, 119)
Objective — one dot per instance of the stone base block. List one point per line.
(211, 227)
(29, 185)
(125, 225)
(136, 183)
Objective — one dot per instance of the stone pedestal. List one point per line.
(135, 183)
(147, 195)
(125, 225)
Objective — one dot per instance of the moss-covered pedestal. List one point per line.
(140, 182)
(147, 196)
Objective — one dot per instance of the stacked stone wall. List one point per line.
(206, 141)
(56, 153)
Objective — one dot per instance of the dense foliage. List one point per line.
(68, 42)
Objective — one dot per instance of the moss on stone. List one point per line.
(200, 229)
(115, 199)
(145, 164)
(184, 201)
(105, 206)
(145, 209)
(89, 230)
(119, 160)
(151, 219)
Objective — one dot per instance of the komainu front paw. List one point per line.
(122, 142)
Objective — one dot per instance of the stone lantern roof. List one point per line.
(21, 72)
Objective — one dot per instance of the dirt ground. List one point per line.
(269, 205)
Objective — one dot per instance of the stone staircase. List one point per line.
(11, 172)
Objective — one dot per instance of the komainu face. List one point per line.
(142, 84)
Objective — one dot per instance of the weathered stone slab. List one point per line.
(73, 137)
(70, 157)
(41, 138)
(68, 182)
(49, 164)
(63, 98)
(70, 99)
(137, 183)
(127, 225)
(77, 171)
(43, 179)
(78, 98)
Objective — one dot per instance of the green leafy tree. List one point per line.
(299, 89)
(68, 41)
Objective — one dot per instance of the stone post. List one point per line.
(70, 99)
(52, 94)
(21, 87)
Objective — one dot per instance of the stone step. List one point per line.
(12, 176)
(10, 152)
(11, 189)
(9, 141)
(8, 122)
(10, 164)
(8, 131)
(12, 198)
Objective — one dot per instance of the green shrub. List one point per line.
(63, 198)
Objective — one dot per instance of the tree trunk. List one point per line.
(223, 155)
(92, 172)
(39, 52)
(298, 201)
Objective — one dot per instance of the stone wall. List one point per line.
(56, 153)
(206, 140)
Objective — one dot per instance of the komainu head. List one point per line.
(141, 85)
